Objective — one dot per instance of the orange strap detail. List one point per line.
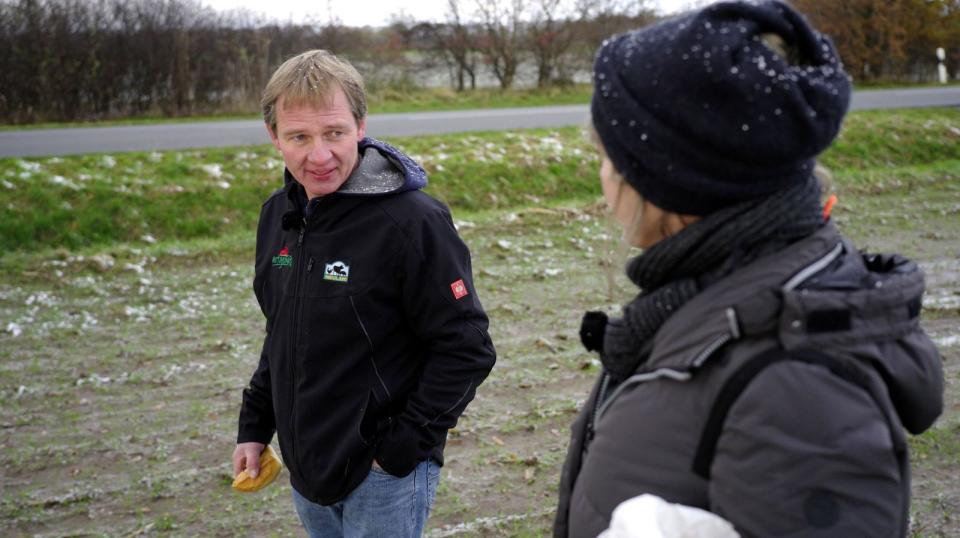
(828, 207)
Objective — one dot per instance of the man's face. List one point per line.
(319, 145)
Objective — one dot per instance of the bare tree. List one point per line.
(93, 59)
(549, 37)
(886, 39)
(595, 20)
(458, 44)
(502, 37)
(600, 19)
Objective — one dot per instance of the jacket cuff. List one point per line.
(401, 449)
(249, 436)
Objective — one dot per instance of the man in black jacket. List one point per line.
(375, 338)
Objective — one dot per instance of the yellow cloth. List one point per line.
(269, 469)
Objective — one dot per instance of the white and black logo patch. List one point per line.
(337, 272)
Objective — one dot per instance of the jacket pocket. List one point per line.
(373, 422)
(379, 387)
(367, 424)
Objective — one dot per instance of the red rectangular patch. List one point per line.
(459, 289)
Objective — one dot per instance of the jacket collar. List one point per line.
(748, 298)
(819, 293)
(383, 169)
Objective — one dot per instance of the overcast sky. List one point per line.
(363, 12)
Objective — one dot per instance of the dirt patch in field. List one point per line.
(120, 388)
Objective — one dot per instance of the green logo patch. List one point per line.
(283, 259)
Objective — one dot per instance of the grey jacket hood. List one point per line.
(383, 169)
(828, 296)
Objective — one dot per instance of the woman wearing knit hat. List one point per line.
(767, 370)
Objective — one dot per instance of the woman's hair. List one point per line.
(618, 250)
(621, 184)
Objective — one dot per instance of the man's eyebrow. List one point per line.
(291, 132)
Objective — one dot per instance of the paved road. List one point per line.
(248, 132)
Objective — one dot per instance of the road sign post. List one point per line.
(941, 68)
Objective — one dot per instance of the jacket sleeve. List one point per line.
(446, 317)
(804, 452)
(256, 410)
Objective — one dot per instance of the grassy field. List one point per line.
(98, 200)
(122, 358)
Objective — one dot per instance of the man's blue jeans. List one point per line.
(381, 506)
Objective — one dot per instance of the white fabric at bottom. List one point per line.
(649, 516)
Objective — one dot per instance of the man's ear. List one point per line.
(273, 135)
(361, 129)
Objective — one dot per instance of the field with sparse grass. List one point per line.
(128, 326)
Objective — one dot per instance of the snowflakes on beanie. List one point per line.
(700, 111)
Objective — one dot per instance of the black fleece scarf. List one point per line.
(677, 268)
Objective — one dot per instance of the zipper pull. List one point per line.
(310, 265)
(300, 238)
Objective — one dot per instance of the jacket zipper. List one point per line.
(597, 404)
(708, 351)
(669, 373)
(293, 345)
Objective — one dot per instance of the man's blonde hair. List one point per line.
(310, 79)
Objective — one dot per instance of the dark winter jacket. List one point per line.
(776, 398)
(376, 340)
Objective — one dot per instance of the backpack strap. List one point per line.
(738, 382)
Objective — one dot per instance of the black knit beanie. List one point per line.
(697, 113)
